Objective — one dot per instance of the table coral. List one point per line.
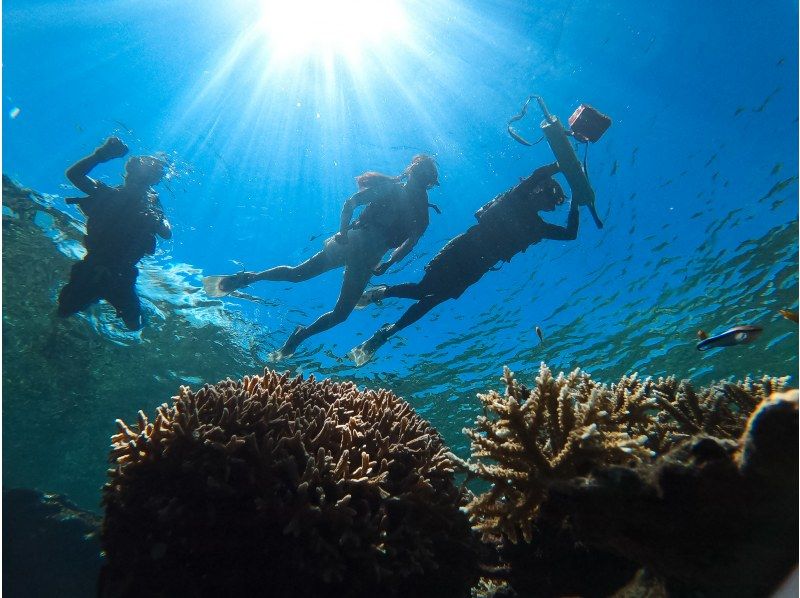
(284, 487)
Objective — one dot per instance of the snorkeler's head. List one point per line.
(548, 194)
(423, 169)
(146, 170)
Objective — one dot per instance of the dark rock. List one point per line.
(711, 517)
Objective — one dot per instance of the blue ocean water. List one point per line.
(696, 182)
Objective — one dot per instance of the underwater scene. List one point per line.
(400, 298)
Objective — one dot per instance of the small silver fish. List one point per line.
(738, 335)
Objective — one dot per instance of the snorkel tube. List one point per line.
(565, 155)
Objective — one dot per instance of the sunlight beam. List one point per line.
(302, 27)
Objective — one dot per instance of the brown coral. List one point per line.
(566, 426)
(535, 447)
(284, 487)
(668, 411)
(720, 410)
(557, 430)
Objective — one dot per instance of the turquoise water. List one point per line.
(696, 182)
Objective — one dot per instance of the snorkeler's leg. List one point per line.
(416, 311)
(355, 281)
(432, 283)
(332, 256)
(81, 290)
(364, 352)
(121, 294)
(406, 290)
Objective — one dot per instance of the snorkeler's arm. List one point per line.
(358, 199)
(561, 233)
(398, 254)
(537, 176)
(78, 173)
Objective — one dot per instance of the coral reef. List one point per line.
(50, 547)
(530, 444)
(306, 488)
(490, 588)
(568, 425)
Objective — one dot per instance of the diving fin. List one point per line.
(220, 286)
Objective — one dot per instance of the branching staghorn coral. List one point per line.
(297, 486)
(566, 426)
(557, 430)
(720, 410)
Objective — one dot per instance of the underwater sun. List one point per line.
(298, 28)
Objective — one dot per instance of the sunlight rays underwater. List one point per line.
(311, 75)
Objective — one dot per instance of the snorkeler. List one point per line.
(395, 217)
(507, 225)
(121, 225)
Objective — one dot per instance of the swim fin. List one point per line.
(289, 347)
(364, 352)
(220, 286)
(373, 295)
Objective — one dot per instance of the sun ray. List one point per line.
(316, 113)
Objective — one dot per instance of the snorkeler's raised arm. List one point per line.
(561, 233)
(78, 173)
(538, 175)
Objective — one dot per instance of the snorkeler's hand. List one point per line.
(340, 238)
(381, 268)
(113, 147)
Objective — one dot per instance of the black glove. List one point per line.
(113, 147)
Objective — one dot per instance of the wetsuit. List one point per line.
(120, 230)
(507, 225)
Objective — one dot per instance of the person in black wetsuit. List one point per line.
(121, 227)
(395, 217)
(507, 225)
